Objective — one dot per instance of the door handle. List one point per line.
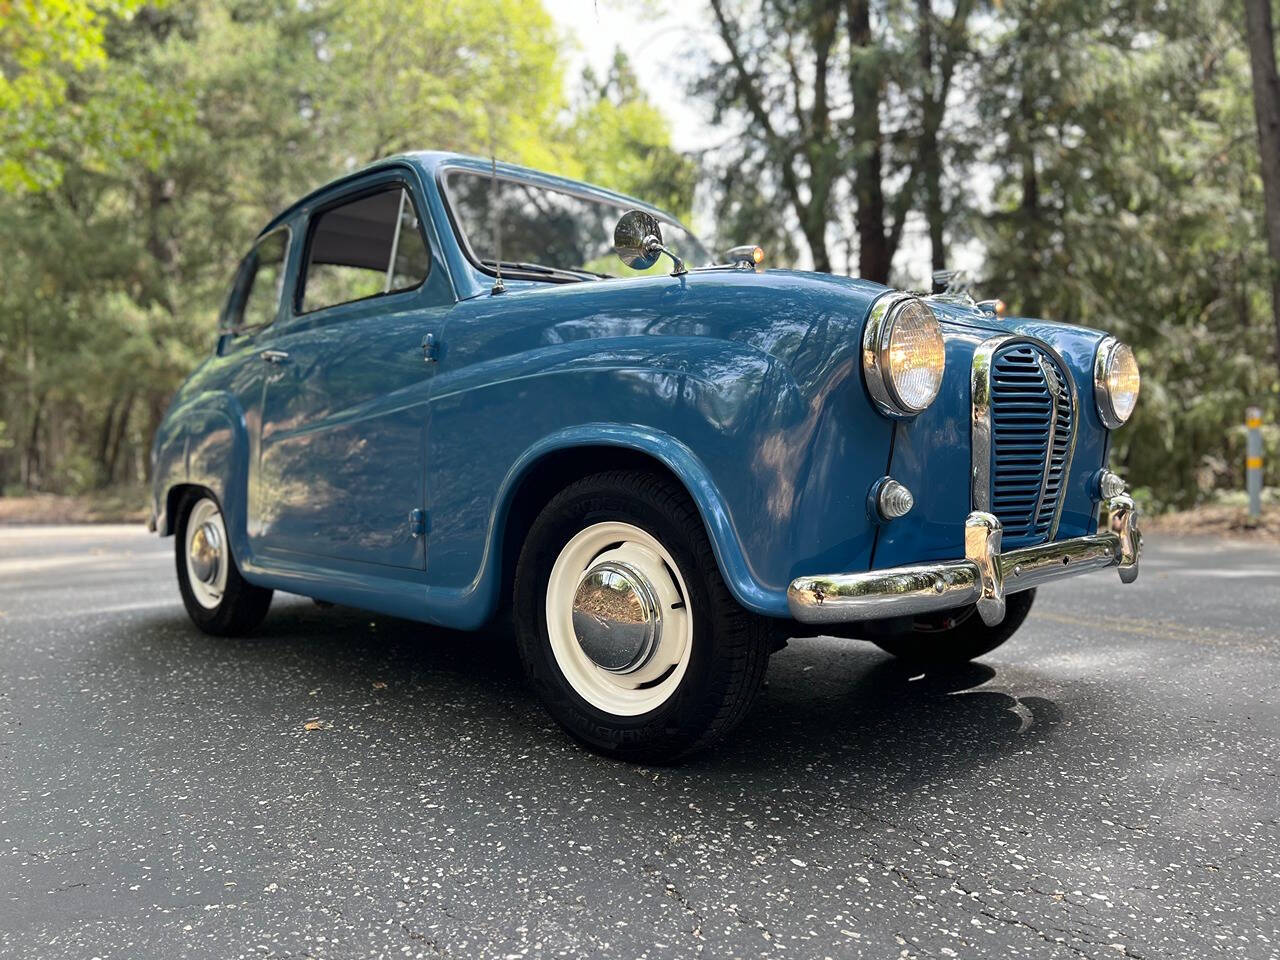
(275, 356)
(430, 348)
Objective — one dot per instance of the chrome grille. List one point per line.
(1031, 427)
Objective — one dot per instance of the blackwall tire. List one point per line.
(626, 554)
(218, 600)
(932, 643)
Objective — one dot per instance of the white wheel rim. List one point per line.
(628, 688)
(208, 554)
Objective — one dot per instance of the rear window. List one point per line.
(365, 248)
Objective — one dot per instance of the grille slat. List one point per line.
(1029, 444)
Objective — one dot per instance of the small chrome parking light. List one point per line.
(891, 498)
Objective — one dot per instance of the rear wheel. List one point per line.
(626, 629)
(957, 636)
(218, 600)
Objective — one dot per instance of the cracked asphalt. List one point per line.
(1103, 785)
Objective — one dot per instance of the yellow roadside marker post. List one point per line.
(1253, 462)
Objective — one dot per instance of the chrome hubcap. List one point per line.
(206, 553)
(616, 617)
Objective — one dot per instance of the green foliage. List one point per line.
(146, 146)
(1129, 200)
(620, 140)
(44, 46)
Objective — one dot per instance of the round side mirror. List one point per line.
(637, 239)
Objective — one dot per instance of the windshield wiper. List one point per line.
(542, 268)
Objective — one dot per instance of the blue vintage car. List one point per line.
(448, 390)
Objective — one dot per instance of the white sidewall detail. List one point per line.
(653, 684)
(207, 594)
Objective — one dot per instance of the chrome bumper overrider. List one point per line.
(984, 576)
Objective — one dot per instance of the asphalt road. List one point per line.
(1104, 785)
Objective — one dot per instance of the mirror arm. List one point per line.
(654, 245)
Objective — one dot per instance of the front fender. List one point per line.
(688, 469)
(204, 441)
(777, 468)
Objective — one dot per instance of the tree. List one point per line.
(1266, 104)
(44, 44)
(841, 105)
(1126, 198)
(791, 132)
(941, 44)
(115, 255)
(621, 140)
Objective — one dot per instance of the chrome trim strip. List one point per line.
(1101, 393)
(984, 577)
(1052, 384)
(875, 342)
(980, 429)
(980, 424)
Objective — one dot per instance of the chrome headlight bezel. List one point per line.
(877, 367)
(1104, 368)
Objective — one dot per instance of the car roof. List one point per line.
(432, 161)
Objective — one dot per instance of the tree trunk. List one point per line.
(157, 405)
(117, 441)
(1266, 107)
(930, 122)
(104, 440)
(815, 235)
(31, 456)
(817, 151)
(931, 163)
(865, 81)
(1031, 232)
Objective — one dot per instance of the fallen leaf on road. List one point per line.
(379, 685)
(317, 724)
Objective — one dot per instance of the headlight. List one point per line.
(903, 355)
(1116, 382)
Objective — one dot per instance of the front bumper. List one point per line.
(985, 575)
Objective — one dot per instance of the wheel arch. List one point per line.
(203, 445)
(564, 458)
(173, 498)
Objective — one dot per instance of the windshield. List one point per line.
(547, 228)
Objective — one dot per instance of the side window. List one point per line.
(259, 283)
(364, 248)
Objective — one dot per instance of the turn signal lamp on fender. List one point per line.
(746, 257)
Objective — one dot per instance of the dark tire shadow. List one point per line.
(835, 702)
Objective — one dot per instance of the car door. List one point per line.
(340, 473)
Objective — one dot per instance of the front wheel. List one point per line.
(954, 637)
(625, 627)
(218, 600)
